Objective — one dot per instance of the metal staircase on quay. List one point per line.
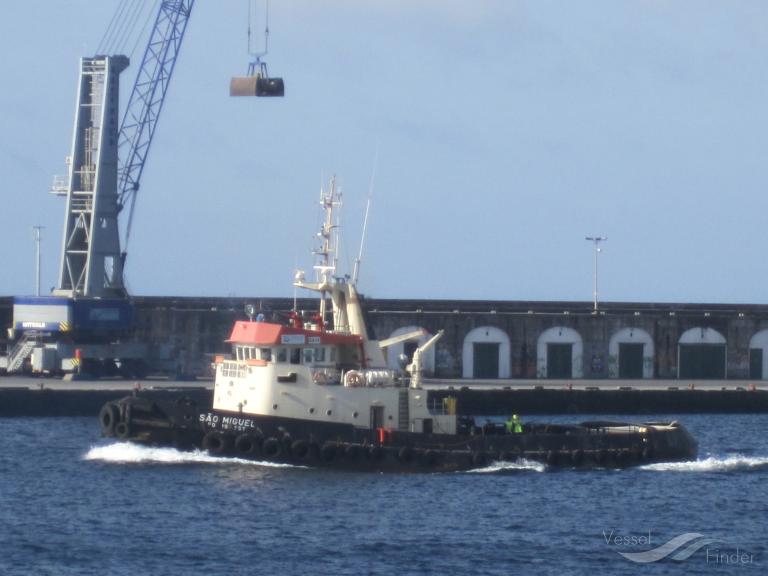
(20, 353)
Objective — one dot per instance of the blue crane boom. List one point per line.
(146, 101)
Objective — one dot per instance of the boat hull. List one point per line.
(185, 425)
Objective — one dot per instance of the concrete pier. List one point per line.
(37, 397)
(658, 356)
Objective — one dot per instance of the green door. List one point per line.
(756, 363)
(631, 360)
(485, 362)
(704, 361)
(559, 360)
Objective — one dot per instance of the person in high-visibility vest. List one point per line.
(513, 425)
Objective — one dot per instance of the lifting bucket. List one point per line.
(270, 87)
(256, 86)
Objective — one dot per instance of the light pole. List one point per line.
(36, 232)
(596, 241)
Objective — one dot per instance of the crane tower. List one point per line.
(90, 261)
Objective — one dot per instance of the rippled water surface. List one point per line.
(73, 503)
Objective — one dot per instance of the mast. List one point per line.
(347, 311)
(327, 253)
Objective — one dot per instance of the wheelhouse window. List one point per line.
(295, 355)
(319, 355)
(265, 354)
(308, 355)
(282, 355)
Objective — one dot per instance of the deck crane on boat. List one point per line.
(86, 325)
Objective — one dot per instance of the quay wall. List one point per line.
(507, 339)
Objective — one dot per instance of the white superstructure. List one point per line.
(303, 370)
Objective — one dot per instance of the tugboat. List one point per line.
(314, 392)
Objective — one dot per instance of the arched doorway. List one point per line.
(758, 357)
(485, 354)
(630, 354)
(559, 353)
(701, 353)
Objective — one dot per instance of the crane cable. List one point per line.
(130, 26)
(251, 18)
(122, 27)
(106, 39)
(148, 19)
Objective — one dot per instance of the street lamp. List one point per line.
(596, 241)
(36, 232)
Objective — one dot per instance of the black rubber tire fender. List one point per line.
(429, 458)
(300, 448)
(247, 444)
(123, 430)
(272, 447)
(352, 452)
(215, 442)
(405, 454)
(109, 415)
(328, 451)
(375, 453)
(478, 458)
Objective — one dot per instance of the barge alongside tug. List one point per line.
(307, 393)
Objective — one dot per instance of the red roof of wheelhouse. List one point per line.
(268, 334)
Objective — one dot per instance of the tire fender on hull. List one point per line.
(123, 430)
(272, 447)
(300, 448)
(109, 415)
(328, 452)
(248, 444)
(216, 442)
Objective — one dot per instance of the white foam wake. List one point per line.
(128, 453)
(712, 464)
(504, 466)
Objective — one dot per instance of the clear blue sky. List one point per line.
(506, 132)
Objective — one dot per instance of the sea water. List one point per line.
(74, 503)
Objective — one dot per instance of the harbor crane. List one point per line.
(86, 324)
